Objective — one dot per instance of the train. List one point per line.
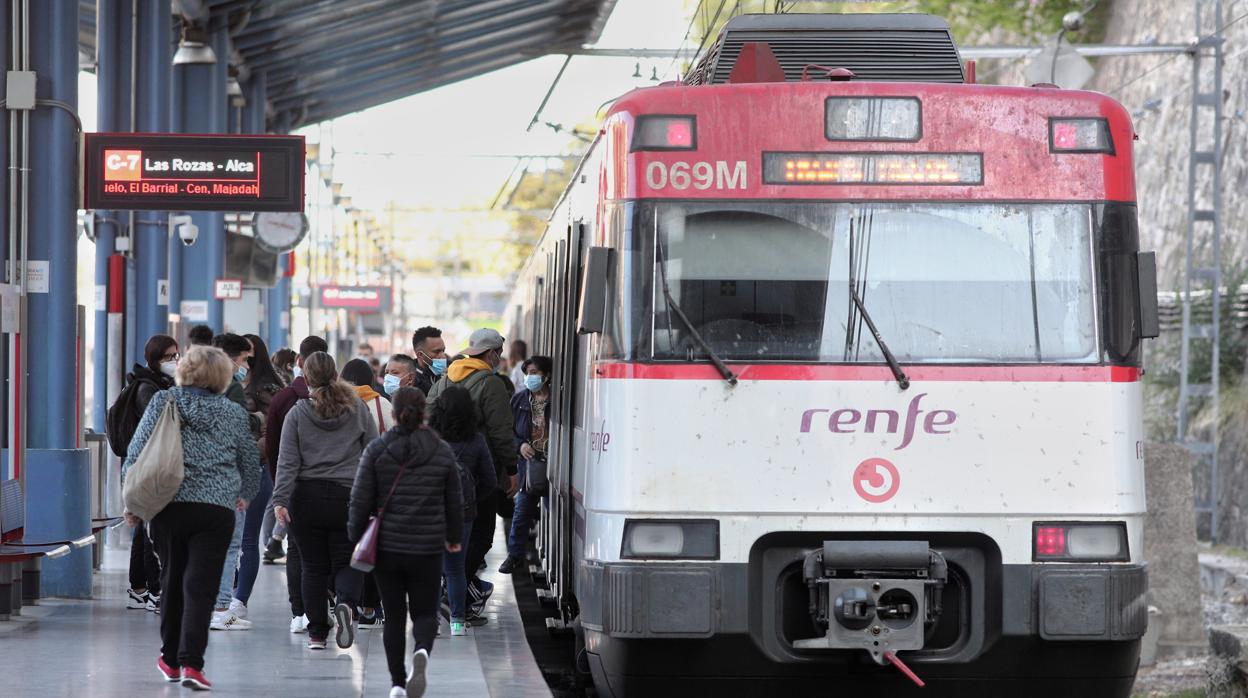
(847, 389)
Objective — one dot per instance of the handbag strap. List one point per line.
(393, 487)
(381, 421)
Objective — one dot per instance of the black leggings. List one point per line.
(144, 567)
(318, 520)
(408, 582)
(191, 539)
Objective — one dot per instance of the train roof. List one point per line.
(906, 47)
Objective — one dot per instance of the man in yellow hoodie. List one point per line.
(476, 374)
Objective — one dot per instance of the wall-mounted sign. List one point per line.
(228, 289)
(161, 172)
(194, 311)
(366, 299)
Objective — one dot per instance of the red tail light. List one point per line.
(1050, 541)
(654, 132)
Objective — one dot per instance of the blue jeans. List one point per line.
(249, 563)
(225, 591)
(457, 576)
(523, 517)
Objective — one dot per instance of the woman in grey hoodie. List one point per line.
(322, 440)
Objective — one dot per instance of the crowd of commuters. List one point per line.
(286, 457)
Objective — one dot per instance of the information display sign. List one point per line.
(175, 172)
(365, 299)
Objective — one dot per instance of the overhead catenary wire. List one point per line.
(1171, 58)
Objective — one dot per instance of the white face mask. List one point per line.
(298, 371)
(169, 368)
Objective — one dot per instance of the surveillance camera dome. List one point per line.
(1072, 21)
(188, 233)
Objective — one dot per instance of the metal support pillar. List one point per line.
(113, 50)
(57, 485)
(199, 104)
(152, 113)
(1202, 275)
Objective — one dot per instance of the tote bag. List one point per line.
(157, 473)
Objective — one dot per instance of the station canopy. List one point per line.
(326, 58)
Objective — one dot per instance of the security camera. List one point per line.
(188, 233)
(1072, 21)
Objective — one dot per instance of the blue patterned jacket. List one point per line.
(221, 459)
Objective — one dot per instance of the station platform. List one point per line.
(101, 649)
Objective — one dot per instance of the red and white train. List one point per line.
(847, 376)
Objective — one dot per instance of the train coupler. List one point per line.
(877, 596)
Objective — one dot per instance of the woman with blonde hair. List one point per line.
(192, 533)
(322, 439)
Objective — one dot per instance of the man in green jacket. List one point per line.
(476, 374)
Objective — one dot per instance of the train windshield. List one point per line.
(956, 282)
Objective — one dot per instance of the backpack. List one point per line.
(123, 417)
(467, 481)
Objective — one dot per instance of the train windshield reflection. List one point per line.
(945, 283)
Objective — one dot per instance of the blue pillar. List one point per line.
(199, 99)
(113, 109)
(276, 301)
(151, 227)
(57, 466)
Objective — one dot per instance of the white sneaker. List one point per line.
(136, 600)
(238, 608)
(226, 620)
(416, 677)
(398, 692)
(298, 625)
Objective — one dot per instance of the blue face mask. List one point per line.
(533, 382)
(438, 366)
(240, 374)
(390, 383)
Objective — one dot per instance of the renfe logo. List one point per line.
(847, 421)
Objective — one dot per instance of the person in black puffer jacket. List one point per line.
(423, 518)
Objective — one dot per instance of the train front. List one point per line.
(923, 443)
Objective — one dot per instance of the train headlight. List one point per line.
(1065, 541)
(873, 119)
(670, 539)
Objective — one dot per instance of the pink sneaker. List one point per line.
(194, 679)
(171, 674)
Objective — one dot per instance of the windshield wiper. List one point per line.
(673, 306)
(900, 375)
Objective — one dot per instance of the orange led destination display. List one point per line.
(873, 168)
(143, 171)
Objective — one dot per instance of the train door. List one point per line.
(559, 525)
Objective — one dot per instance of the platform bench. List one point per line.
(19, 570)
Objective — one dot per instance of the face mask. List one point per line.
(169, 368)
(297, 371)
(240, 374)
(390, 383)
(533, 382)
(438, 366)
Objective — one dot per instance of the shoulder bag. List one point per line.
(157, 473)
